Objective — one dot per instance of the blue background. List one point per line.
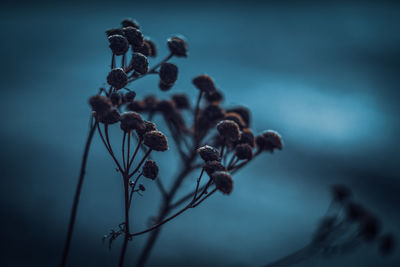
(325, 75)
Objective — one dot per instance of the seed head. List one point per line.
(212, 166)
(117, 78)
(214, 96)
(213, 112)
(134, 36)
(150, 102)
(139, 63)
(387, 244)
(145, 49)
(114, 31)
(118, 44)
(130, 96)
(209, 153)
(131, 121)
(100, 104)
(168, 73)
(148, 126)
(247, 137)
(153, 47)
(116, 98)
(269, 141)
(166, 106)
(233, 116)
(244, 114)
(223, 181)
(204, 83)
(177, 47)
(244, 151)
(164, 86)
(229, 130)
(150, 169)
(129, 23)
(156, 140)
(181, 101)
(341, 193)
(109, 117)
(137, 106)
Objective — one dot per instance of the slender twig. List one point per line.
(140, 163)
(205, 197)
(151, 71)
(136, 151)
(161, 187)
(77, 194)
(123, 150)
(109, 148)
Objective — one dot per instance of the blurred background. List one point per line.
(324, 75)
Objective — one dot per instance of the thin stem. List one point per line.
(151, 71)
(127, 232)
(133, 188)
(128, 155)
(108, 148)
(113, 61)
(123, 150)
(197, 185)
(140, 163)
(196, 114)
(205, 197)
(136, 151)
(77, 195)
(161, 187)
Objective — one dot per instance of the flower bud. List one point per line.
(130, 96)
(131, 121)
(204, 83)
(148, 126)
(341, 193)
(150, 169)
(114, 31)
(118, 44)
(137, 106)
(116, 98)
(236, 118)
(177, 47)
(269, 141)
(223, 181)
(243, 112)
(247, 137)
(153, 47)
(209, 153)
(164, 86)
(244, 151)
(142, 188)
(213, 113)
(229, 130)
(129, 23)
(156, 140)
(117, 78)
(166, 106)
(181, 101)
(168, 73)
(145, 49)
(212, 166)
(134, 36)
(100, 104)
(109, 117)
(214, 96)
(150, 103)
(139, 63)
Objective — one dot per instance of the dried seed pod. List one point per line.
(269, 141)
(150, 103)
(142, 188)
(369, 227)
(214, 96)
(148, 126)
(213, 112)
(134, 36)
(164, 86)
(209, 153)
(166, 106)
(181, 101)
(223, 181)
(341, 193)
(116, 98)
(247, 137)
(118, 44)
(212, 166)
(386, 244)
(129, 96)
(177, 46)
(109, 117)
(244, 151)
(168, 73)
(145, 49)
(114, 31)
(137, 106)
(204, 83)
(236, 118)
(229, 130)
(139, 63)
(129, 23)
(117, 78)
(354, 211)
(100, 104)
(155, 140)
(150, 169)
(243, 112)
(131, 121)
(153, 47)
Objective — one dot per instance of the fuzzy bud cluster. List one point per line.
(168, 75)
(269, 141)
(117, 78)
(150, 169)
(177, 46)
(155, 140)
(223, 182)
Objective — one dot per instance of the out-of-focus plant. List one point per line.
(215, 141)
(347, 226)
